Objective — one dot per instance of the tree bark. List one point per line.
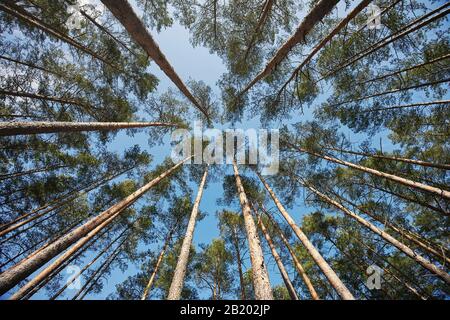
(26, 128)
(149, 285)
(123, 12)
(261, 281)
(297, 263)
(19, 272)
(322, 8)
(403, 181)
(387, 237)
(20, 13)
(332, 277)
(399, 159)
(276, 256)
(363, 4)
(180, 271)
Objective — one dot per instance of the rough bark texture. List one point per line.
(405, 249)
(315, 16)
(24, 128)
(261, 282)
(332, 277)
(403, 181)
(19, 272)
(180, 271)
(297, 263)
(122, 10)
(276, 256)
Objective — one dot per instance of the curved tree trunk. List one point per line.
(332, 277)
(123, 12)
(405, 249)
(180, 271)
(297, 263)
(321, 9)
(261, 281)
(19, 272)
(287, 282)
(149, 285)
(403, 181)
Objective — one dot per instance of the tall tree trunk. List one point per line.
(180, 271)
(321, 9)
(416, 239)
(405, 249)
(19, 272)
(399, 159)
(332, 277)
(20, 13)
(25, 128)
(390, 74)
(411, 27)
(239, 265)
(403, 181)
(87, 266)
(297, 263)
(344, 22)
(29, 172)
(411, 105)
(30, 65)
(122, 10)
(261, 281)
(149, 285)
(261, 22)
(287, 282)
(17, 223)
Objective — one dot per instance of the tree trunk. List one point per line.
(87, 266)
(158, 263)
(405, 249)
(411, 27)
(411, 105)
(297, 263)
(29, 172)
(332, 277)
(180, 271)
(403, 181)
(416, 239)
(344, 22)
(239, 262)
(380, 156)
(30, 65)
(20, 222)
(320, 10)
(25, 128)
(261, 22)
(276, 256)
(123, 12)
(261, 281)
(18, 12)
(19, 272)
